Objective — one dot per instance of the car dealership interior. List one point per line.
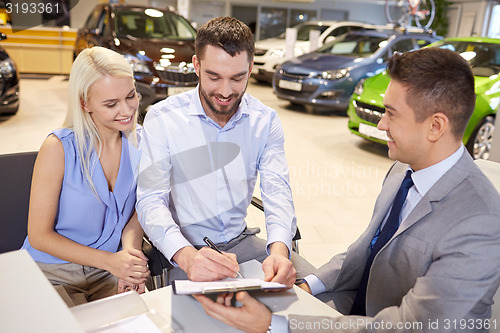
(335, 175)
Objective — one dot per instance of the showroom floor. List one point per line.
(335, 176)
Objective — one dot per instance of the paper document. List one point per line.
(186, 287)
(136, 324)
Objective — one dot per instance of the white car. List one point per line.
(270, 52)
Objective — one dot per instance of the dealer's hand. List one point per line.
(251, 317)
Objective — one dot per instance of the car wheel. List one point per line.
(11, 112)
(309, 109)
(479, 144)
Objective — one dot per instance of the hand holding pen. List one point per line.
(206, 264)
(212, 245)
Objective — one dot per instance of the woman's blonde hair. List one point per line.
(91, 65)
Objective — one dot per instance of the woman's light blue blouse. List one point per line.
(81, 216)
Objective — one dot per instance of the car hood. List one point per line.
(374, 89)
(487, 86)
(154, 49)
(271, 43)
(279, 43)
(320, 62)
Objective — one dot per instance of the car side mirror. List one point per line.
(95, 31)
(329, 39)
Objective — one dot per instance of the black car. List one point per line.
(157, 42)
(9, 83)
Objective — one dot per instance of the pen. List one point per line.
(214, 247)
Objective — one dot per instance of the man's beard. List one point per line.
(231, 110)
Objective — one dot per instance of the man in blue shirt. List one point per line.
(430, 257)
(202, 153)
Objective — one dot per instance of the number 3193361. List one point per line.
(32, 8)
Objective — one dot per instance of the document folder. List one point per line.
(186, 287)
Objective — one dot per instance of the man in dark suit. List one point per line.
(430, 257)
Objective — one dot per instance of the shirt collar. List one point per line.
(426, 178)
(196, 109)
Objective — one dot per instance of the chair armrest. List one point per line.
(258, 203)
(157, 261)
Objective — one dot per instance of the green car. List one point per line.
(483, 54)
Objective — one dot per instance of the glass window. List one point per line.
(301, 15)
(353, 45)
(94, 18)
(484, 58)
(304, 30)
(423, 42)
(338, 31)
(102, 24)
(153, 24)
(272, 22)
(403, 45)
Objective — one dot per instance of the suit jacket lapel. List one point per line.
(358, 253)
(443, 186)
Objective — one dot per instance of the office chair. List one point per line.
(256, 202)
(159, 265)
(492, 171)
(15, 184)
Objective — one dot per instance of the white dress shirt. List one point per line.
(197, 179)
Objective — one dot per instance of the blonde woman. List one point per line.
(82, 226)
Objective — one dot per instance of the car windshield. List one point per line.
(304, 29)
(353, 45)
(484, 58)
(152, 23)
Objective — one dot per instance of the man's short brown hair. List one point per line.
(228, 33)
(438, 80)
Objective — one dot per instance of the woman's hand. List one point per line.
(130, 265)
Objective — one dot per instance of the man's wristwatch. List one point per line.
(299, 281)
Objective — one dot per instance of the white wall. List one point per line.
(79, 13)
(495, 150)
(467, 17)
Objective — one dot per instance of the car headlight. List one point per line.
(358, 89)
(277, 53)
(137, 64)
(334, 74)
(7, 67)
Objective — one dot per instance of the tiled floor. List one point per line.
(335, 175)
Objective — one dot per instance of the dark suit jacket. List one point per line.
(442, 265)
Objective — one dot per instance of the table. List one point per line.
(189, 315)
(29, 303)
